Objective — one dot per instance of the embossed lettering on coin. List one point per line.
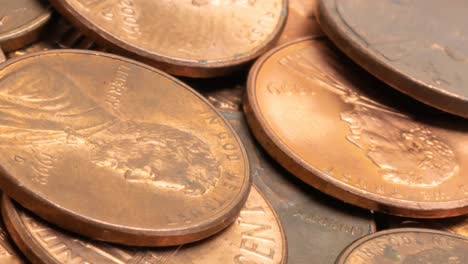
(256, 237)
(117, 140)
(386, 153)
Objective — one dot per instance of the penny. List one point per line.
(350, 136)
(8, 254)
(255, 237)
(20, 22)
(316, 226)
(407, 245)
(301, 21)
(456, 225)
(194, 38)
(116, 150)
(418, 47)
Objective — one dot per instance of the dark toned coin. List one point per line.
(418, 47)
(21, 22)
(352, 137)
(255, 237)
(301, 21)
(456, 225)
(195, 38)
(317, 227)
(116, 150)
(407, 246)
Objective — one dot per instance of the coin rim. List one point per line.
(25, 34)
(36, 254)
(132, 236)
(349, 249)
(419, 90)
(320, 180)
(173, 65)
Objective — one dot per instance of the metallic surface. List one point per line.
(456, 225)
(195, 38)
(407, 246)
(256, 237)
(350, 136)
(116, 150)
(301, 21)
(8, 255)
(21, 22)
(420, 47)
(317, 227)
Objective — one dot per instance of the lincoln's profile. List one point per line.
(41, 107)
(404, 151)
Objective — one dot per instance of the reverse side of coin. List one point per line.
(194, 38)
(301, 21)
(316, 226)
(116, 150)
(255, 237)
(418, 47)
(352, 137)
(21, 22)
(405, 246)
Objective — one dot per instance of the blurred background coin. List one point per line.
(407, 245)
(194, 38)
(116, 150)
(352, 137)
(419, 47)
(21, 22)
(255, 237)
(8, 253)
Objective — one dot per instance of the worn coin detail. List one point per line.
(116, 150)
(419, 47)
(20, 22)
(316, 226)
(352, 137)
(255, 237)
(405, 246)
(195, 38)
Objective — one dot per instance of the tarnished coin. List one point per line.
(420, 47)
(116, 150)
(352, 137)
(317, 227)
(255, 237)
(195, 38)
(301, 21)
(407, 246)
(21, 22)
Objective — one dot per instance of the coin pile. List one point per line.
(233, 131)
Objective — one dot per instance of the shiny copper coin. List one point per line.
(195, 38)
(8, 254)
(317, 227)
(301, 21)
(419, 47)
(407, 246)
(116, 150)
(255, 237)
(352, 137)
(21, 22)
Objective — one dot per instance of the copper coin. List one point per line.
(350, 136)
(301, 21)
(317, 227)
(8, 254)
(405, 246)
(194, 38)
(255, 237)
(116, 150)
(418, 47)
(21, 22)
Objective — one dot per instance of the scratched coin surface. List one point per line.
(419, 47)
(195, 38)
(317, 227)
(301, 21)
(20, 22)
(116, 150)
(351, 136)
(407, 246)
(255, 237)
